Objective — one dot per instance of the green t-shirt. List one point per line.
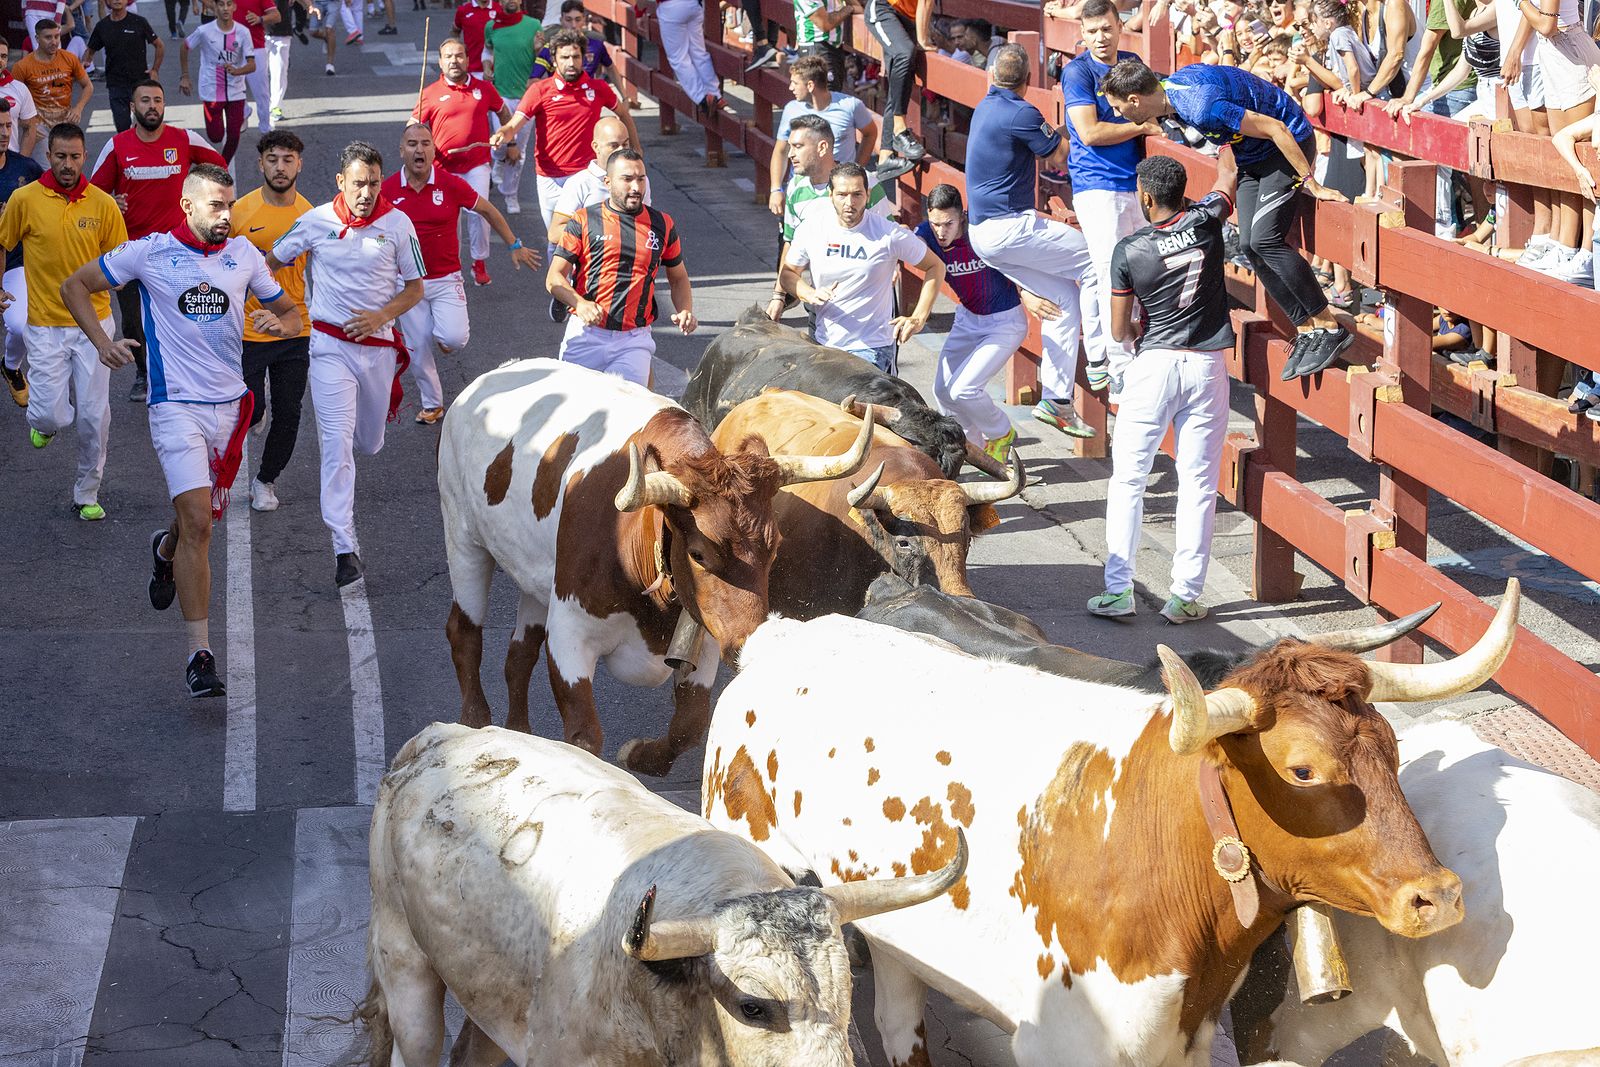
(513, 48)
(806, 31)
(1449, 50)
(801, 200)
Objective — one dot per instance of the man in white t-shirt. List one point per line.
(194, 282)
(588, 187)
(363, 250)
(854, 259)
(24, 114)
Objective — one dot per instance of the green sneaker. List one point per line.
(999, 450)
(89, 512)
(39, 440)
(1178, 610)
(1113, 605)
(1064, 417)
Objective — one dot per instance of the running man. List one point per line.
(1270, 140)
(456, 109)
(53, 75)
(261, 217)
(256, 16)
(434, 199)
(195, 279)
(361, 250)
(988, 329)
(1178, 379)
(471, 22)
(615, 338)
(143, 169)
(226, 57)
(509, 44)
(1040, 254)
(854, 258)
(16, 170)
(25, 131)
(61, 222)
(564, 110)
(588, 186)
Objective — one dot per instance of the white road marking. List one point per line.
(60, 881)
(366, 691)
(746, 184)
(239, 749)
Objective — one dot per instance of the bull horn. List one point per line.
(994, 492)
(1368, 638)
(1461, 674)
(862, 900)
(670, 939)
(882, 414)
(866, 488)
(1199, 717)
(821, 468)
(977, 457)
(657, 487)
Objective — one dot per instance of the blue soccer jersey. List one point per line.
(1214, 100)
(1109, 167)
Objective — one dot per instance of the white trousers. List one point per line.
(353, 12)
(625, 353)
(15, 282)
(1189, 392)
(477, 225)
(683, 35)
(350, 386)
(1107, 216)
(549, 193)
(69, 386)
(439, 320)
(976, 349)
(1049, 259)
(508, 178)
(277, 69)
(256, 82)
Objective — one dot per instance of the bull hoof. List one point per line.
(645, 757)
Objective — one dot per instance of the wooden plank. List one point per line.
(1429, 137)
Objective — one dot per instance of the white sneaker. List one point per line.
(263, 497)
(1577, 267)
(1553, 262)
(513, 206)
(1537, 249)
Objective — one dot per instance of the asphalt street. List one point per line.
(183, 882)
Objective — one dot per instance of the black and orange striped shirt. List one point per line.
(615, 258)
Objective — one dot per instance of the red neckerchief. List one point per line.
(6, 78)
(354, 222)
(73, 195)
(185, 235)
(506, 19)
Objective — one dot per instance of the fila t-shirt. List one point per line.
(435, 210)
(803, 201)
(353, 268)
(150, 174)
(193, 311)
(563, 117)
(864, 263)
(217, 50)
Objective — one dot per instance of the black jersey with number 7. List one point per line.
(1174, 270)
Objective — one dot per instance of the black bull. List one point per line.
(758, 354)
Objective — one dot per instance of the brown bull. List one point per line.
(905, 516)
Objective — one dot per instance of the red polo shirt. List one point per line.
(434, 211)
(472, 20)
(151, 175)
(458, 115)
(258, 31)
(564, 116)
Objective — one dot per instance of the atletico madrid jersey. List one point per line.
(435, 210)
(150, 174)
(194, 312)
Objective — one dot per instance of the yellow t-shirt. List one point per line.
(58, 237)
(262, 224)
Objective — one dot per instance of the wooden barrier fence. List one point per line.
(1384, 409)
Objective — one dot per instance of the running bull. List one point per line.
(583, 921)
(759, 354)
(905, 517)
(1130, 847)
(609, 507)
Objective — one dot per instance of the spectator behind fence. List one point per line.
(819, 27)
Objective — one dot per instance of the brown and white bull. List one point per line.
(610, 508)
(583, 921)
(1094, 922)
(905, 516)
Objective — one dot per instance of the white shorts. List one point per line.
(186, 436)
(1564, 61)
(1528, 90)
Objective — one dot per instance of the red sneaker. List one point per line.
(480, 272)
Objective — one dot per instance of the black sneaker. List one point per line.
(348, 569)
(1303, 344)
(140, 391)
(388, 31)
(202, 675)
(162, 586)
(893, 167)
(906, 145)
(300, 35)
(765, 56)
(1320, 355)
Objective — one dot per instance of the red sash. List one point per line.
(225, 465)
(402, 358)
